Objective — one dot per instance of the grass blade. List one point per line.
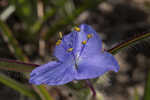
(43, 92)
(18, 87)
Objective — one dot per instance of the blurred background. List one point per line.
(29, 30)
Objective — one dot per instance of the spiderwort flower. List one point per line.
(80, 56)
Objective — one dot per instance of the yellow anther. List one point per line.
(70, 49)
(77, 29)
(89, 36)
(58, 42)
(84, 42)
(60, 35)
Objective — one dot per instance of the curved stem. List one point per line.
(128, 43)
(89, 84)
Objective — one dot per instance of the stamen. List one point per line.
(70, 49)
(84, 42)
(77, 29)
(58, 42)
(60, 35)
(89, 36)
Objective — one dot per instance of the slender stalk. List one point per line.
(18, 66)
(147, 87)
(128, 43)
(89, 84)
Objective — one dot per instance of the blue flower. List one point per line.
(80, 56)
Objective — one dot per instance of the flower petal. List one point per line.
(94, 43)
(96, 65)
(61, 50)
(53, 73)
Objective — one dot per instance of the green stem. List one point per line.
(18, 66)
(147, 87)
(43, 92)
(128, 43)
(136, 94)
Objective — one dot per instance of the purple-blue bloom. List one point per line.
(80, 56)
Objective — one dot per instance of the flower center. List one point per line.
(84, 44)
(67, 44)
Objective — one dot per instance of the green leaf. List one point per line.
(18, 87)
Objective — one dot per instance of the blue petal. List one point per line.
(61, 50)
(54, 73)
(93, 45)
(96, 65)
